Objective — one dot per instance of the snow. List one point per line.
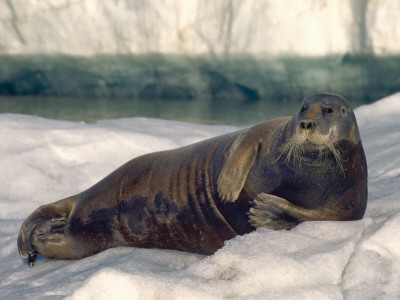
(199, 27)
(44, 160)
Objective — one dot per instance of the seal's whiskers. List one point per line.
(296, 148)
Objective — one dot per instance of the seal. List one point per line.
(310, 166)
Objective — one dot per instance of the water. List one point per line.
(90, 110)
(237, 90)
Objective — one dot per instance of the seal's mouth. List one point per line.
(313, 137)
(311, 148)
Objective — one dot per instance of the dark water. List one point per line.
(91, 110)
(236, 90)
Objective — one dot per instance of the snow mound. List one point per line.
(44, 160)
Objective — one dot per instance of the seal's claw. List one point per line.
(277, 213)
(31, 259)
(272, 212)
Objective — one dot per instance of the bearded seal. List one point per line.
(310, 166)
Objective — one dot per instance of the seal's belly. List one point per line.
(169, 202)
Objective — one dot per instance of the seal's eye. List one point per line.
(327, 110)
(303, 108)
(343, 111)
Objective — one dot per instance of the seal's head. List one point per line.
(322, 124)
(325, 116)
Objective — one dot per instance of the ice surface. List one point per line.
(44, 160)
(181, 27)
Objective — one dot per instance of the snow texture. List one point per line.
(44, 160)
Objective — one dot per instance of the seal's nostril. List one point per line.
(307, 124)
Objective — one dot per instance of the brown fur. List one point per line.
(276, 174)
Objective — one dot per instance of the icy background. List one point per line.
(223, 27)
(241, 50)
(43, 160)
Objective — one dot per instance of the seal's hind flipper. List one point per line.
(53, 239)
(277, 213)
(28, 246)
(47, 218)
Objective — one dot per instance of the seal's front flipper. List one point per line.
(236, 168)
(277, 213)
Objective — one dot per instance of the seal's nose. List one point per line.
(307, 125)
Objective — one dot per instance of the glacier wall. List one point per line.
(200, 27)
